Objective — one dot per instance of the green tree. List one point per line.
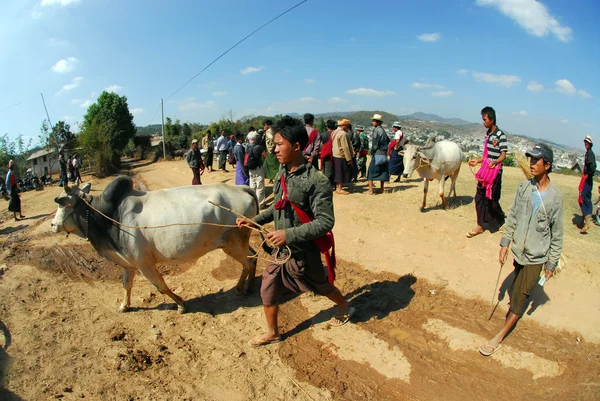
(509, 161)
(52, 140)
(111, 113)
(94, 141)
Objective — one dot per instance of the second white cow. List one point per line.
(436, 160)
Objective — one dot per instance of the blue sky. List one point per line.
(536, 63)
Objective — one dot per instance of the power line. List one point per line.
(234, 46)
(16, 104)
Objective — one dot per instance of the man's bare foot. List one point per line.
(265, 339)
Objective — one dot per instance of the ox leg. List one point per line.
(248, 267)
(441, 192)
(157, 280)
(128, 276)
(425, 189)
(453, 177)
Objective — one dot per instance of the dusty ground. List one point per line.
(421, 289)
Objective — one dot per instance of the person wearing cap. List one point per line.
(378, 168)
(488, 209)
(62, 164)
(194, 160)
(208, 147)
(535, 227)
(363, 151)
(587, 182)
(271, 165)
(256, 153)
(394, 149)
(342, 152)
(313, 148)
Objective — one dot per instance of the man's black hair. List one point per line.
(292, 130)
(239, 137)
(489, 112)
(331, 124)
(548, 150)
(268, 122)
(208, 132)
(309, 119)
(251, 129)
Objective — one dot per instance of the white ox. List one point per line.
(435, 160)
(142, 248)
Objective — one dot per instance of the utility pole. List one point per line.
(162, 110)
(44, 102)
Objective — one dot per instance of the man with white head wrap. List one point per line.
(255, 154)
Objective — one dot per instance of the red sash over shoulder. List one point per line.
(324, 243)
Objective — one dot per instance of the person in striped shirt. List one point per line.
(488, 210)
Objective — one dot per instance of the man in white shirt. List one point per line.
(223, 149)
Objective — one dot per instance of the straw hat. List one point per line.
(342, 122)
(588, 139)
(377, 117)
(194, 141)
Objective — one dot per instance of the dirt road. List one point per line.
(421, 290)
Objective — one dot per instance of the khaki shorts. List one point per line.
(298, 275)
(525, 279)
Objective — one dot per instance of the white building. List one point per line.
(42, 162)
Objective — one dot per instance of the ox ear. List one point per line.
(401, 153)
(86, 188)
(67, 189)
(424, 158)
(64, 201)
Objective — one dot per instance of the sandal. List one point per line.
(259, 341)
(472, 233)
(342, 192)
(488, 349)
(341, 320)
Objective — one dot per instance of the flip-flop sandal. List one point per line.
(488, 350)
(259, 342)
(342, 192)
(472, 234)
(338, 321)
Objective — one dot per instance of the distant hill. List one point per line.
(433, 117)
(148, 130)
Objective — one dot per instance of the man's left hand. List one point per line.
(277, 237)
(492, 165)
(548, 274)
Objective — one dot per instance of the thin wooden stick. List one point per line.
(301, 389)
(492, 307)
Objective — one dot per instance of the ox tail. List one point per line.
(251, 192)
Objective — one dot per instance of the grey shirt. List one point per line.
(536, 237)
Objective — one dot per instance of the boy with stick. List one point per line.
(303, 216)
(535, 228)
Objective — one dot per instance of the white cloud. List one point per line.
(219, 93)
(520, 113)
(113, 88)
(65, 65)
(564, 121)
(419, 85)
(534, 86)
(505, 80)
(309, 81)
(54, 42)
(192, 104)
(430, 37)
(307, 100)
(462, 71)
(532, 15)
(61, 3)
(36, 13)
(250, 70)
(85, 104)
(370, 92)
(137, 111)
(75, 83)
(584, 94)
(442, 94)
(337, 100)
(565, 86)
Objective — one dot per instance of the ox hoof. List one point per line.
(240, 291)
(123, 309)
(181, 309)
